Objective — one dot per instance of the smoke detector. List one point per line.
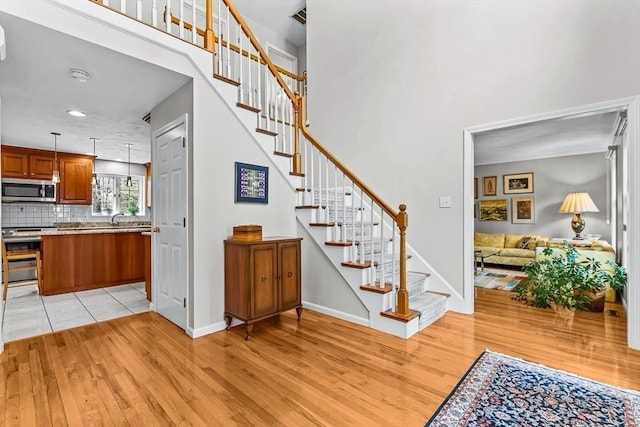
(79, 75)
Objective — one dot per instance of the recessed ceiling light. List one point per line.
(79, 75)
(76, 113)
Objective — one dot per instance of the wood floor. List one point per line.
(144, 371)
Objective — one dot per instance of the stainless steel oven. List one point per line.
(28, 190)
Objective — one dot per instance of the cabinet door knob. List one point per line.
(264, 278)
(289, 274)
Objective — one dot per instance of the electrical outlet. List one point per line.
(445, 201)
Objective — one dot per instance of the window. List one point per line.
(111, 195)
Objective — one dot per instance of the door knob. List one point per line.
(156, 229)
(289, 274)
(264, 278)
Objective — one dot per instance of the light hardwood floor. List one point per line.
(142, 370)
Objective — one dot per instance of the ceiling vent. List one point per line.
(301, 15)
(147, 118)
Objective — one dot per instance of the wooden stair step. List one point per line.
(280, 153)
(338, 243)
(366, 264)
(226, 79)
(266, 132)
(322, 224)
(247, 107)
(393, 315)
(377, 289)
(296, 174)
(308, 207)
(302, 189)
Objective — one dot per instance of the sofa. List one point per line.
(597, 250)
(513, 249)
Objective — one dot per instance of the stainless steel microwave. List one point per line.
(28, 190)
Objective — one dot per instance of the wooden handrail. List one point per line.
(352, 176)
(235, 48)
(263, 54)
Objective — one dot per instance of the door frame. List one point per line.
(179, 121)
(632, 104)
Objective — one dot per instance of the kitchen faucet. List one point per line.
(113, 218)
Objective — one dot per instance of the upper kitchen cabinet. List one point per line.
(26, 163)
(75, 179)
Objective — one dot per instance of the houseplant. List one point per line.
(133, 209)
(560, 280)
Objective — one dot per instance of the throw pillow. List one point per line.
(533, 243)
(524, 243)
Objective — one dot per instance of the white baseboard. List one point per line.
(206, 330)
(335, 313)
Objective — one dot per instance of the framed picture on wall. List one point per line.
(517, 183)
(489, 186)
(475, 188)
(252, 183)
(523, 210)
(493, 210)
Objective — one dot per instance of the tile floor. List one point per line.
(27, 314)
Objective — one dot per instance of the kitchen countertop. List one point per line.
(85, 229)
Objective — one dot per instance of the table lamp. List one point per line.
(577, 203)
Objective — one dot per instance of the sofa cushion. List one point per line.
(488, 240)
(515, 252)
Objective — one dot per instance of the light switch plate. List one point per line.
(445, 201)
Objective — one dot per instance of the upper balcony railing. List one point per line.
(277, 96)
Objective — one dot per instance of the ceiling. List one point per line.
(565, 136)
(37, 90)
(276, 16)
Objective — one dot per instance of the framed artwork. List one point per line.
(489, 186)
(493, 210)
(518, 183)
(252, 183)
(523, 210)
(475, 188)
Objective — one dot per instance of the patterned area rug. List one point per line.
(504, 282)
(499, 390)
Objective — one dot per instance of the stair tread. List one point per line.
(226, 79)
(322, 224)
(247, 107)
(266, 132)
(377, 289)
(347, 243)
(282, 154)
(366, 264)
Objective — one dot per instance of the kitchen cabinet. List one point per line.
(74, 187)
(78, 262)
(262, 279)
(26, 163)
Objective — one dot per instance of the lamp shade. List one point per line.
(578, 203)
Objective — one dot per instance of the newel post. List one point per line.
(209, 36)
(403, 296)
(297, 158)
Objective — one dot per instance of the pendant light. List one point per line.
(94, 176)
(55, 176)
(129, 181)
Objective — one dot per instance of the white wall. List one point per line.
(553, 179)
(218, 139)
(394, 83)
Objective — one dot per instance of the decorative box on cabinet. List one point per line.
(262, 279)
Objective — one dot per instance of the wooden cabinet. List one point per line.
(75, 179)
(262, 279)
(26, 163)
(77, 262)
(147, 264)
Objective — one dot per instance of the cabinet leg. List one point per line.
(299, 312)
(249, 330)
(227, 320)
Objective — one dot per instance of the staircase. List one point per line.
(362, 236)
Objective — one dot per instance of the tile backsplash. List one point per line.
(47, 214)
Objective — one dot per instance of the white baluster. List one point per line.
(181, 19)
(393, 266)
(123, 6)
(194, 27)
(228, 45)
(361, 258)
(328, 205)
(251, 99)
(313, 177)
(139, 10)
(219, 51)
(353, 221)
(154, 13)
(167, 17)
(260, 73)
(105, 3)
(382, 276)
(240, 78)
(343, 236)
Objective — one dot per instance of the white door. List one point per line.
(169, 251)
